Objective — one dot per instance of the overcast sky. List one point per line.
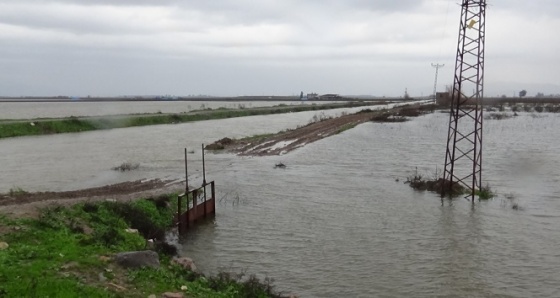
(266, 47)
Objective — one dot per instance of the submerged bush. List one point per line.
(17, 191)
(126, 166)
(250, 287)
(485, 193)
(441, 186)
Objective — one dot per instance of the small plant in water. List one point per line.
(126, 166)
(437, 184)
(17, 191)
(485, 193)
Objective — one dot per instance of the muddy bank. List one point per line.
(286, 141)
(21, 203)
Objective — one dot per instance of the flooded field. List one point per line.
(338, 220)
(31, 110)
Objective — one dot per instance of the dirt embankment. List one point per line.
(284, 142)
(20, 204)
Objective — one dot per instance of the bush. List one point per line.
(251, 287)
(485, 193)
(126, 166)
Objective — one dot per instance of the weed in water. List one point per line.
(126, 166)
(485, 193)
(236, 284)
(437, 184)
(17, 191)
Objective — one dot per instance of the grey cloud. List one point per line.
(526, 9)
(253, 47)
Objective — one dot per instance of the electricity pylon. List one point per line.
(437, 67)
(463, 157)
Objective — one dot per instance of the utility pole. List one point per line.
(463, 157)
(437, 67)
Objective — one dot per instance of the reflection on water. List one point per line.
(335, 222)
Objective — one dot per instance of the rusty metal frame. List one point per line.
(184, 219)
(463, 158)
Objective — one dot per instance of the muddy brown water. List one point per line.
(335, 222)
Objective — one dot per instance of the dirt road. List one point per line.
(284, 142)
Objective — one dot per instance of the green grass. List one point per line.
(73, 124)
(42, 127)
(58, 254)
(257, 137)
(346, 127)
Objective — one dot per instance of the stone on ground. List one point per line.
(172, 295)
(137, 259)
(185, 263)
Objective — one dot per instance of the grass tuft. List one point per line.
(16, 192)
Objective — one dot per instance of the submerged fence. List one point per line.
(195, 204)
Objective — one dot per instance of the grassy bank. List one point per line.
(74, 124)
(68, 252)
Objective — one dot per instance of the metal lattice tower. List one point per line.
(463, 157)
(437, 67)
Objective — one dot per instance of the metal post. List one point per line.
(195, 205)
(203, 172)
(204, 178)
(186, 224)
(179, 217)
(213, 189)
(186, 177)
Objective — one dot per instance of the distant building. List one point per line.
(330, 97)
(312, 95)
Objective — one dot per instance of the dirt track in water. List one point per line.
(284, 142)
(27, 204)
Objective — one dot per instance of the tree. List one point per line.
(522, 93)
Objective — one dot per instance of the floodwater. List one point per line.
(336, 222)
(32, 110)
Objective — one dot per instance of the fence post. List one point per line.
(179, 217)
(187, 213)
(195, 205)
(204, 180)
(213, 189)
(186, 177)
